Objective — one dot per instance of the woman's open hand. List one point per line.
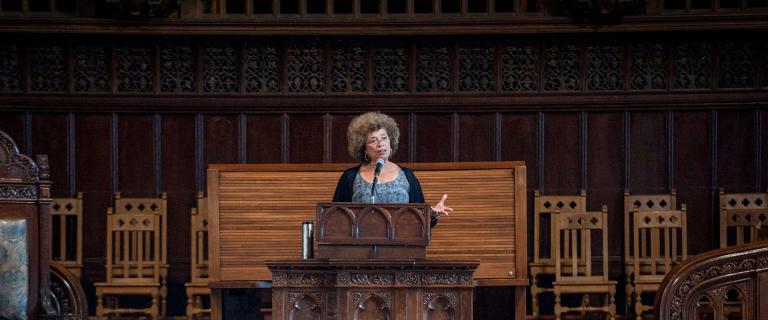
(440, 207)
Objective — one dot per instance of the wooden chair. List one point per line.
(743, 217)
(543, 233)
(151, 206)
(574, 272)
(133, 264)
(198, 293)
(660, 240)
(641, 202)
(67, 233)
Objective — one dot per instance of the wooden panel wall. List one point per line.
(644, 113)
(694, 151)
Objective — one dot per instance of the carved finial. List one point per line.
(42, 164)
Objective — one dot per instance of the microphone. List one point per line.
(376, 172)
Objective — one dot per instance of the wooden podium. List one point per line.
(372, 265)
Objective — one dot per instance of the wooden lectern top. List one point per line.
(376, 231)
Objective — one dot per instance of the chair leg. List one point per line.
(611, 306)
(628, 290)
(154, 309)
(535, 299)
(558, 307)
(189, 306)
(99, 305)
(638, 305)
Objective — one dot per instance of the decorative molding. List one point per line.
(407, 278)
(705, 274)
(431, 297)
(359, 297)
(18, 192)
(365, 279)
(446, 278)
(305, 279)
(295, 297)
(15, 165)
(42, 164)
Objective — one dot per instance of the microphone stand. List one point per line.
(379, 164)
(373, 189)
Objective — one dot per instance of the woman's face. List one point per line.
(377, 145)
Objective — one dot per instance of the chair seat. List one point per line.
(585, 283)
(127, 284)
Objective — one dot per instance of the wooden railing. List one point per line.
(730, 283)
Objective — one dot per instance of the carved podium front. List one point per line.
(372, 289)
(371, 264)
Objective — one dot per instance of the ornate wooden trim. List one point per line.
(15, 166)
(707, 272)
(286, 25)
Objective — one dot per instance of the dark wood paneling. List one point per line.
(693, 177)
(736, 152)
(434, 138)
(519, 141)
(476, 137)
(648, 164)
(178, 179)
(306, 138)
(764, 150)
(605, 172)
(338, 138)
(403, 153)
(94, 172)
(317, 137)
(264, 138)
(220, 139)
(49, 136)
(562, 154)
(178, 149)
(135, 149)
(12, 123)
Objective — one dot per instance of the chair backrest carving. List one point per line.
(743, 217)
(543, 221)
(133, 247)
(642, 202)
(148, 206)
(200, 240)
(660, 241)
(574, 250)
(67, 231)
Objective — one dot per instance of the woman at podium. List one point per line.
(372, 139)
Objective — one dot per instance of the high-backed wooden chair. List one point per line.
(574, 256)
(133, 264)
(67, 233)
(151, 206)
(641, 202)
(543, 233)
(743, 216)
(198, 293)
(660, 240)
